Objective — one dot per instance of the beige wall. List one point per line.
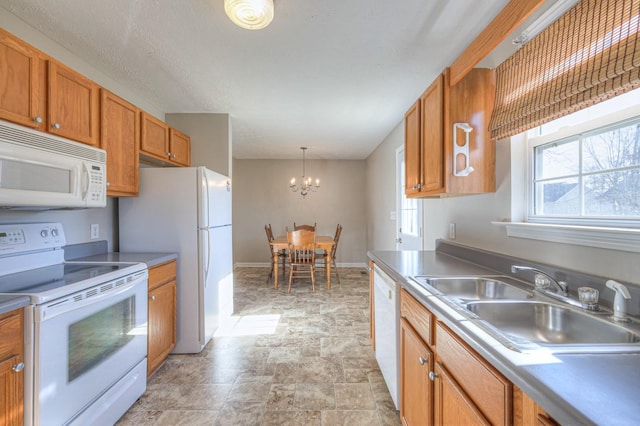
(473, 216)
(210, 138)
(261, 195)
(381, 192)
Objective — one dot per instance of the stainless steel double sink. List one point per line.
(522, 320)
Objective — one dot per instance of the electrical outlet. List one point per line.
(452, 231)
(95, 231)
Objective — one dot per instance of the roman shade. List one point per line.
(590, 54)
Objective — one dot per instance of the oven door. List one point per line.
(84, 343)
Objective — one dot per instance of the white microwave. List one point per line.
(40, 171)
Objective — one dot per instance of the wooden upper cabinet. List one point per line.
(154, 140)
(120, 137)
(160, 142)
(179, 148)
(20, 90)
(430, 138)
(432, 135)
(412, 150)
(73, 105)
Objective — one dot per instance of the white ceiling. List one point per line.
(335, 76)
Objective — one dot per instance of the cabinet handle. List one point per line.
(423, 360)
(433, 376)
(152, 297)
(18, 367)
(37, 120)
(56, 125)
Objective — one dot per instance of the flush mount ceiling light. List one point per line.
(250, 14)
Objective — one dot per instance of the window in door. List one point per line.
(409, 211)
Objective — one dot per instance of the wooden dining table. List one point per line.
(323, 242)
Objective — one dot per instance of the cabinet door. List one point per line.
(432, 136)
(73, 105)
(452, 405)
(162, 324)
(119, 136)
(11, 368)
(19, 82)
(154, 138)
(11, 387)
(416, 390)
(412, 173)
(180, 148)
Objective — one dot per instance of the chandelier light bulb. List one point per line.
(307, 182)
(249, 14)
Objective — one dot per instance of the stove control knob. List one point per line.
(44, 233)
(54, 232)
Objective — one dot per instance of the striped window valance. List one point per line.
(590, 54)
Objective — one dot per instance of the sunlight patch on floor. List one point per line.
(248, 325)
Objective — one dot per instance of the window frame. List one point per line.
(615, 119)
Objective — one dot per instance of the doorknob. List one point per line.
(399, 240)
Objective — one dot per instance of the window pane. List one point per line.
(410, 216)
(557, 159)
(613, 194)
(558, 197)
(612, 149)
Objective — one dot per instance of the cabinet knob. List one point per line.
(173, 156)
(108, 183)
(169, 154)
(18, 367)
(423, 360)
(56, 125)
(37, 120)
(433, 376)
(152, 297)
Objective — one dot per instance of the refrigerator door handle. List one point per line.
(206, 193)
(206, 268)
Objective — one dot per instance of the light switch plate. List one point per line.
(95, 231)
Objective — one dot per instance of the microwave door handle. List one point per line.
(87, 178)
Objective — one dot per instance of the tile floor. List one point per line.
(284, 359)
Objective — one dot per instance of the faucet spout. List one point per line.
(561, 286)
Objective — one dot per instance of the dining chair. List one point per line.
(330, 256)
(282, 254)
(302, 255)
(305, 227)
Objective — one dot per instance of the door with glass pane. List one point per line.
(409, 211)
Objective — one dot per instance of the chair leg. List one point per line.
(335, 268)
(290, 277)
(313, 278)
(270, 274)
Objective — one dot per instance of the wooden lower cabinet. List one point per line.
(442, 380)
(416, 389)
(12, 368)
(161, 338)
(452, 406)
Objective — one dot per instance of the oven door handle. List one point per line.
(72, 302)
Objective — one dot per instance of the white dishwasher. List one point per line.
(387, 325)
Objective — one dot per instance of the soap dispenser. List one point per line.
(620, 302)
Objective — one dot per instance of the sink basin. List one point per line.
(548, 324)
(476, 288)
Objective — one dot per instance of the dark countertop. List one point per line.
(150, 259)
(10, 303)
(572, 388)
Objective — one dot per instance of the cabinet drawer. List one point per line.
(11, 331)
(417, 315)
(489, 390)
(162, 273)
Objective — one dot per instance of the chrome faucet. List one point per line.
(562, 287)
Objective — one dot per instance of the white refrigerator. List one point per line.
(186, 210)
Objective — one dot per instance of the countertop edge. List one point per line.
(11, 303)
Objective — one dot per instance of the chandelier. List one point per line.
(306, 186)
(249, 14)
